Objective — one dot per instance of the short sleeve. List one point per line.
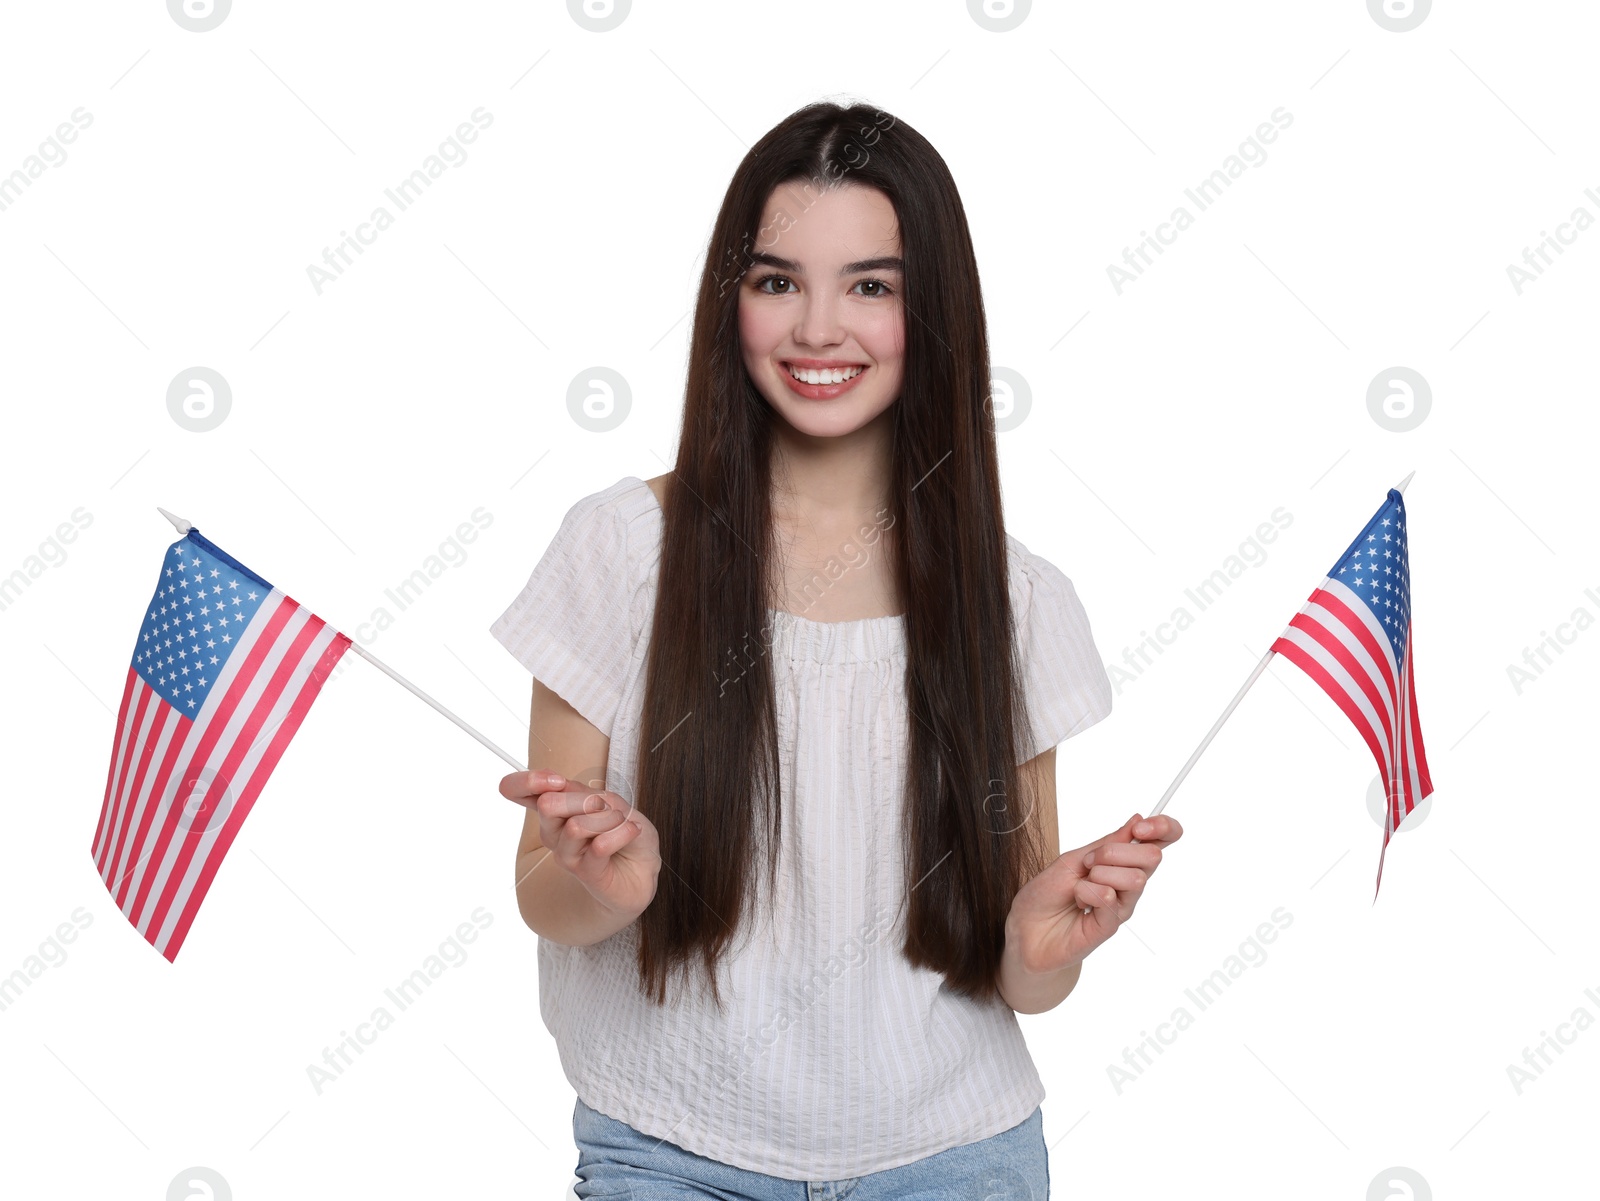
(1068, 689)
(570, 625)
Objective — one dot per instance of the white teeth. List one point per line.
(831, 375)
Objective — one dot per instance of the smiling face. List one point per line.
(822, 301)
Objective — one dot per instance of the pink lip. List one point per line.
(822, 391)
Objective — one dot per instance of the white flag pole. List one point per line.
(183, 527)
(393, 675)
(1211, 733)
(1238, 696)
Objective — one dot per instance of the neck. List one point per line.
(817, 478)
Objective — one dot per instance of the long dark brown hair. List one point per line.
(709, 769)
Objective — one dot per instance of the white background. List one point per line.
(1167, 421)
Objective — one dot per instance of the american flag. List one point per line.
(224, 669)
(1353, 638)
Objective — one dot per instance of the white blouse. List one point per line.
(833, 1057)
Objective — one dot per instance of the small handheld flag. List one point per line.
(1353, 638)
(223, 671)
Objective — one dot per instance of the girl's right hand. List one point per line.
(597, 836)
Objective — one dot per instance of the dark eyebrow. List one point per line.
(883, 263)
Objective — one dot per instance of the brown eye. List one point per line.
(767, 279)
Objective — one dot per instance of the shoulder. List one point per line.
(1034, 579)
(608, 505)
(574, 624)
(617, 532)
(1069, 688)
(1049, 618)
(604, 549)
(613, 523)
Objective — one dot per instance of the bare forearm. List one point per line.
(556, 905)
(1033, 992)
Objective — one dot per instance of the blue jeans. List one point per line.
(615, 1160)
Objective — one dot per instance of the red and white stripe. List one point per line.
(214, 765)
(1337, 641)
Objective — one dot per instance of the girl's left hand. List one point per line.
(1048, 921)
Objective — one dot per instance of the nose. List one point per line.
(820, 323)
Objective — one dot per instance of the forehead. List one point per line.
(822, 227)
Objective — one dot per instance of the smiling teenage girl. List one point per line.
(784, 942)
